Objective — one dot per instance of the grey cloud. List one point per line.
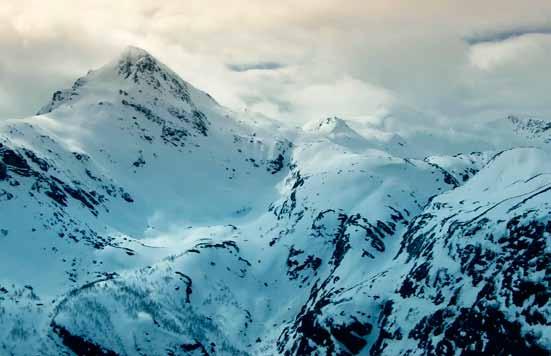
(245, 67)
(347, 59)
(283, 106)
(506, 35)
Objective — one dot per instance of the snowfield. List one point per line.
(140, 217)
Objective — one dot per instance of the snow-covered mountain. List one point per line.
(536, 129)
(140, 217)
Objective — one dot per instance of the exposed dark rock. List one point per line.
(127, 197)
(351, 335)
(188, 282)
(276, 165)
(195, 346)
(78, 344)
(15, 162)
(3, 171)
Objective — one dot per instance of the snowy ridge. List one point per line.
(140, 217)
(475, 267)
(532, 128)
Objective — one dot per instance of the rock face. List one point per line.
(140, 217)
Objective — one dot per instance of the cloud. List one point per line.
(520, 49)
(453, 62)
(346, 97)
(255, 66)
(502, 36)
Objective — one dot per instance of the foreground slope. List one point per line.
(141, 217)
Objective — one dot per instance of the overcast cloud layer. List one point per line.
(433, 62)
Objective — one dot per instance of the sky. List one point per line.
(393, 62)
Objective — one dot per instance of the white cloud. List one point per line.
(515, 50)
(355, 58)
(345, 97)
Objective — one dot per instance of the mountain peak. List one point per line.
(329, 125)
(134, 72)
(134, 61)
(532, 128)
(336, 130)
(333, 122)
(133, 53)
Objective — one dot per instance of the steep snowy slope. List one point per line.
(131, 152)
(139, 217)
(257, 283)
(473, 270)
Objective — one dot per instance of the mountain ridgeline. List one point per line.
(140, 217)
